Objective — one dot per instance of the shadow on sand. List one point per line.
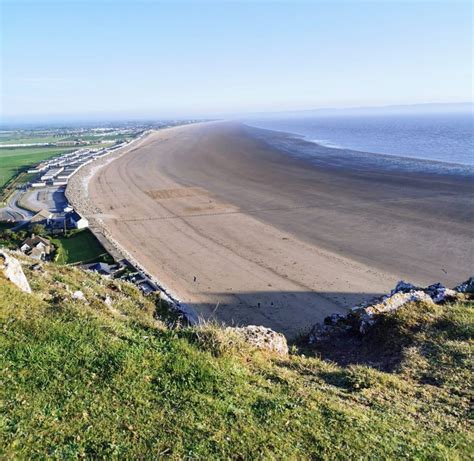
(276, 309)
(381, 349)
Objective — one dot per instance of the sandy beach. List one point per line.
(246, 234)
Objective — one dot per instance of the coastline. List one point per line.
(202, 210)
(299, 146)
(428, 139)
(77, 193)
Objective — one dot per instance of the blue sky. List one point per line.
(191, 58)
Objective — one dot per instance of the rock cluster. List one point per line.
(362, 317)
(466, 287)
(11, 269)
(262, 338)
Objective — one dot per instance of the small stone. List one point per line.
(79, 295)
(108, 300)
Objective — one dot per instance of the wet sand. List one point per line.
(247, 234)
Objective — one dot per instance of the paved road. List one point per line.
(13, 211)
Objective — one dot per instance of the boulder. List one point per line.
(367, 315)
(12, 270)
(403, 287)
(262, 338)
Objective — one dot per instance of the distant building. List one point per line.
(76, 221)
(36, 247)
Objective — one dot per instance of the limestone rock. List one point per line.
(439, 292)
(391, 303)
(362, 317)
(108, 300)
(403, 287)
(320, 332)
(262, 338)
(12, 270)
(466, 287)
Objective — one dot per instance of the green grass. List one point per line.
(10, 239)
(108, 380)
(79, 247)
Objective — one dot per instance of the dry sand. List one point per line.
(248, 235)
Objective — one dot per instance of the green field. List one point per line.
(80, 247)
(22, 138)
(34, 139)
(15, 160)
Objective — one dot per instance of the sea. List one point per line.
(441, 139)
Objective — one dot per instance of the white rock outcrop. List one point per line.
(12, 270)
(262, 338)
(368, 315)
(362, 317)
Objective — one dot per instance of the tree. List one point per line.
(6, 234)
(38, 229)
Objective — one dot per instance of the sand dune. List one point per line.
(248, 235)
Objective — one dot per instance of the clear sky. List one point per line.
(191, 58)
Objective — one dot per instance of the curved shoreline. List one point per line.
(244, 233)
(424, 160)
(300, 146)
(77, 193)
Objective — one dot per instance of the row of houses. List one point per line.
(58, 170)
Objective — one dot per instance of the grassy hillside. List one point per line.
(104, 378)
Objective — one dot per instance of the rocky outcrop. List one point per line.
(363, 317)
(11, 269)
(466, 287)
(262, 338)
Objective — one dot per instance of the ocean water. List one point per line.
(446, 138)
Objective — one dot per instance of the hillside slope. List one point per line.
(103, 377)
